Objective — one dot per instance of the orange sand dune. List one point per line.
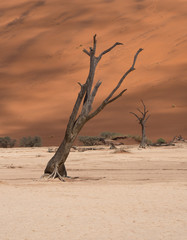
(41, 62)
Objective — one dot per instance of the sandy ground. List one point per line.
(140, 194)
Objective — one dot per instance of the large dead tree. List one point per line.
(82, 110)
(142, 119)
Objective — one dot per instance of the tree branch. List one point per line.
(85, 51)
(136, 116)
(76, 108)
(135, 57)
(94, 43)
(140, 111)
(147, 118)
(98, 110)
(144, 107)
(124, 76)
(90, 78)
(93, 94)
(79, 84)
(119, 95)
(87, 107)
(108, 50)
(95, 89)
(105, 102)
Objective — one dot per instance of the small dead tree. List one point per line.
(142, 121)
(82, 110)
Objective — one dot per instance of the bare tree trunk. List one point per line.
(56, 165)
(59, 159)
(144, 139)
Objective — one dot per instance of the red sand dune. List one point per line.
(41, 62)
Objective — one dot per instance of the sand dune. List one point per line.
(41, 61)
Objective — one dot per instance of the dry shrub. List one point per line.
(111, 135)
(31, 141)
(7, 142)
(91, 140)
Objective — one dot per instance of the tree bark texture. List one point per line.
(56, 165)
(144, 139)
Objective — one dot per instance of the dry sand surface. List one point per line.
(138, 195)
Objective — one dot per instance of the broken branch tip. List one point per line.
(118, 43)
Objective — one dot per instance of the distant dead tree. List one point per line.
(142, 119)
(82, 110)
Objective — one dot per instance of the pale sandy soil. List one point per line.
(131, 196)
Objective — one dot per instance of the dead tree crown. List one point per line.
(142, 119)
(89, 93)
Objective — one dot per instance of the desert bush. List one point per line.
(137, 138)
(7, 142)
(160, 141)
(91, 140)
(31, 141)
(111, 135)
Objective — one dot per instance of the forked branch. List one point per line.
(108, 99)
(88, 94)
(85, 51)
(93, 49)
(142, 119)
(139, 118)
(108, 50)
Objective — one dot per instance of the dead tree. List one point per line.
(142, 121)
(82, 110)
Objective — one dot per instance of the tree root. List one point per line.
(53, 175)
